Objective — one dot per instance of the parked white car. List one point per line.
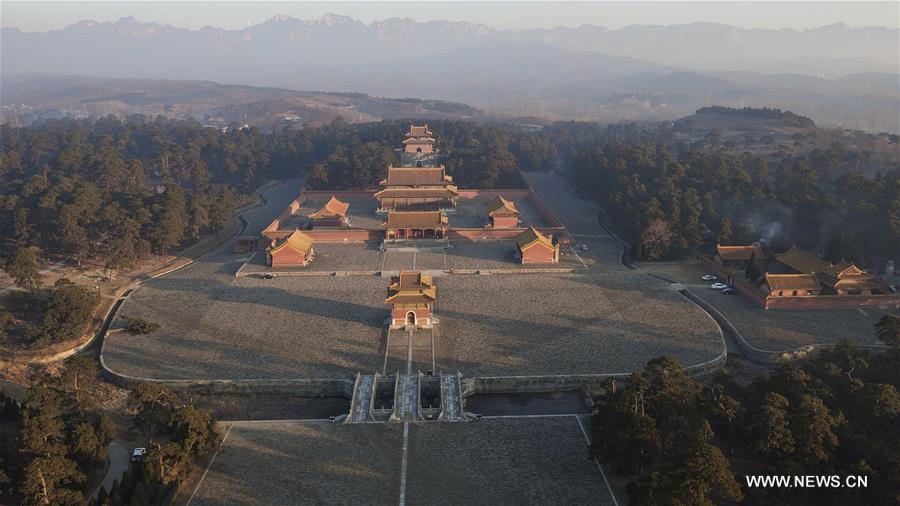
(709, 277)
(718, 286)
(138, 454)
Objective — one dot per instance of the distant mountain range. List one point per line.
(135, 49)
(835, 74)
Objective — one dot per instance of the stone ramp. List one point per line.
(361, 406)
(451, 399)
(406, 399)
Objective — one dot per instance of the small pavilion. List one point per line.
(332, 214)
(502, 213)
(295, 250)
(533, 247)
(419, 140)
(415, 225)
(411, 296)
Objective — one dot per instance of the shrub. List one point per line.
(140, 326)
(68, 311)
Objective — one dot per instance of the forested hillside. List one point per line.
(671, 199)
(115, 190)
(680, 441)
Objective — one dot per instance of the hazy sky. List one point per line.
(42, 16)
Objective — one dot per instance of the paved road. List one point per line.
(119, 462)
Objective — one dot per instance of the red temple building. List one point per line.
(415, 225)
(791, 285)
(737, 257)
(412, 296)
(842, 278)
(417, 188)
(533, 247)
(502, 213)
(333, 214)
(419, 140)
(295, 250)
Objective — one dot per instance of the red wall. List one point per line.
(350, 194)
(399, 315)
(355, 235)
(505, 222)
(478, 234)
(327, 222)
(832, 301)
(538, 255)
(287, 257)
(474, 194)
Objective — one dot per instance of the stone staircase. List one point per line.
(406, 398)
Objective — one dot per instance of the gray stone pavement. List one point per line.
(511, 461)
(539, 324)
(304, 463)
(361, 212)
(472, 213)
(514, 461)
(215, 326)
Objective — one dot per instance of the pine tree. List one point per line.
(725, 233)
(888, 330)
(23, 267)
(752, 272)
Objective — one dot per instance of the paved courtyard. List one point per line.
(215, 326)
(493, 461)
(305, 463)
(329, 257)
(500, 255)
(472, 213)
(361, 212)
(502, 325)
